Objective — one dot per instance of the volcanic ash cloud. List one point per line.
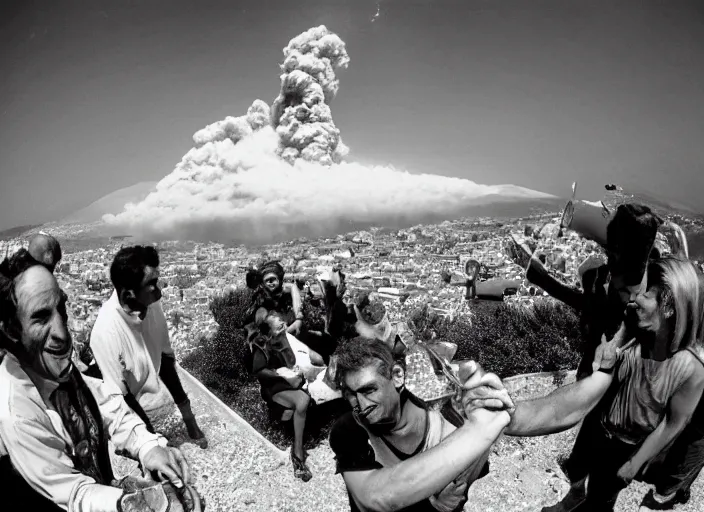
(278, 173)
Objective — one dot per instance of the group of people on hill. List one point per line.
(637, 394)
(55, 423)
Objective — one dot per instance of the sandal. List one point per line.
(650, 503)
(300, 469)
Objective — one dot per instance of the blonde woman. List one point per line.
(648, 390)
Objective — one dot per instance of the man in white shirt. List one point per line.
(130, 337)
(54, 422)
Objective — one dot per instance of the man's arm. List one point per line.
(36, 452)
(129, 433)
(428, 473)
(126, 429)
(561, 409)
(537, 274)
(679, 413)
(107, 353)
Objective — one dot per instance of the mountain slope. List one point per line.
(111, 203)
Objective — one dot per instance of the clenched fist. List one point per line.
(483, 390)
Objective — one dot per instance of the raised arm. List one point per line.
(561, 409)
(678, 415)
(428, 473)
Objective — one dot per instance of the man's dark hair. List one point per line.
(361, 352)
(10, 268)
(127, 269)
(630, 237)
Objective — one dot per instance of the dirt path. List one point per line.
(239, 472)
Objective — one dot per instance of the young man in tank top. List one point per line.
(392, 451)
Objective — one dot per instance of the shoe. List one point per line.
(195, 433)
(300, 469)
(683, 496)
(650, 503)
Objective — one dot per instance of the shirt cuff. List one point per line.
(95, 498)
(157, 440)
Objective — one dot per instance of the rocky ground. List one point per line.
(240, 472)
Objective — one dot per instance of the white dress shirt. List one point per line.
(33, 435)
(128, 349)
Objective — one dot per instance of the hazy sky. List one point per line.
(98, 95)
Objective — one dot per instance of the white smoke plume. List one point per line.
(301, 114)
(278, 173)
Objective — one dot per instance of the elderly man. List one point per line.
(54, 422)
(392, 451)
(130, 338)
(46, 250)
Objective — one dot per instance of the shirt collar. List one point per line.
(130, 318)
(44, 386)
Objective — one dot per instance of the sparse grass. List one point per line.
(506, 340)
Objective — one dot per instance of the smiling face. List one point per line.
(651, 314)
(374, 397)
(41, 311)
(271, 282)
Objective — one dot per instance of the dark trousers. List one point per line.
(21, 493)
(608, 454)
(171, 380)
(681, 465)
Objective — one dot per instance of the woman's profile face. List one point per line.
(649, 310)
(271, 282)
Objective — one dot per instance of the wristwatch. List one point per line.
(608, 371)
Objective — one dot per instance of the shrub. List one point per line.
(511, 340)
(222, 362)
(230, 309)
(505, 339)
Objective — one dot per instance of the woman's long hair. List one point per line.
(680, 291)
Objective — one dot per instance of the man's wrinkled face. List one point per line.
(43, 319)
(271, 282)
(374, 397)
(149, 291)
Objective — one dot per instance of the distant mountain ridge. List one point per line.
(113, 202)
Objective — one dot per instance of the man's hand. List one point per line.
(295, 328)
(607, 352)
(451, 497)
(627, 472)
(483, 390)
(169, 464)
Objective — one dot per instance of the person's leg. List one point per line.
(576, 467)
(132, 402)
(676, 474)
(297, 400)
(170, 378)
(604, 485)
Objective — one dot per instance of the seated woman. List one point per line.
(647, 391)
(274, 365)
(273, 294)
